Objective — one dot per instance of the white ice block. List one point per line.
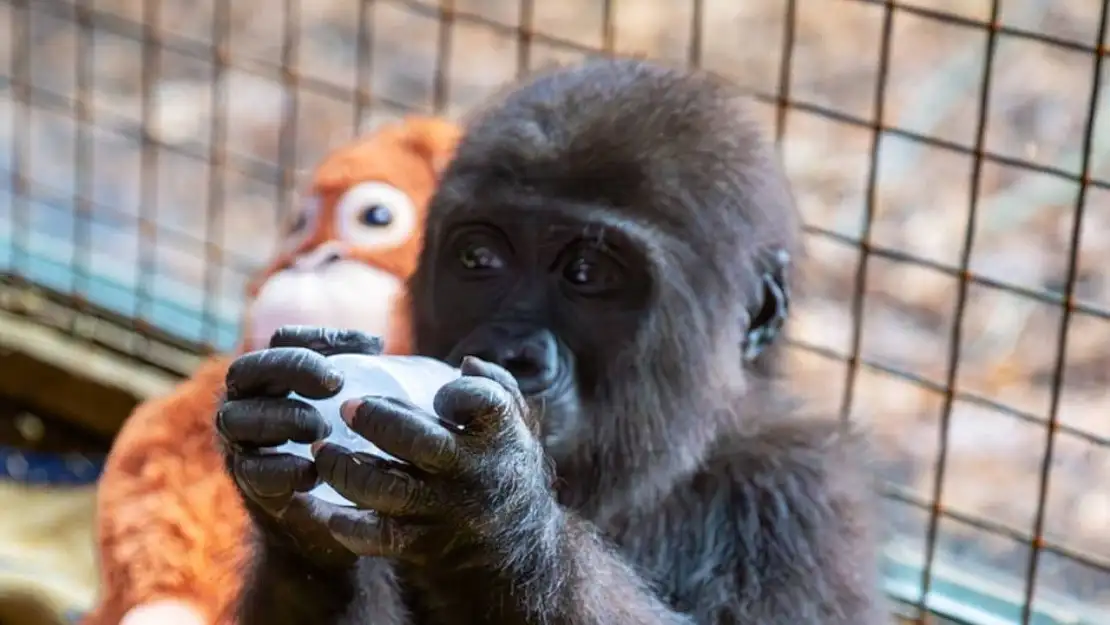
(412, 378)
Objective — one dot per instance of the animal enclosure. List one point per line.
(951, 159)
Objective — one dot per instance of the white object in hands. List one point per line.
(415, 379)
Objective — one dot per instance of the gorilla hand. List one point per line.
(258, 413)
(475, 476)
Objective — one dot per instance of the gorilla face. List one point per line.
(613, 256)
(555, 295)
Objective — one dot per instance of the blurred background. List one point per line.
(950, 158)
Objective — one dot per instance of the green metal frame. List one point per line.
(964, 593)
(51, 266)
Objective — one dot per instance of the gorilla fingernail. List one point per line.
(333, 381)
(474, 366)
(348, 409)
(469, 400)
(325, 453)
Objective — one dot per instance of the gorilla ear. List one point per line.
(766, 318)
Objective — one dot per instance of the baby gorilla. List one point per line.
(607, 260)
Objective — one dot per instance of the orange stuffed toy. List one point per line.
(172, 533)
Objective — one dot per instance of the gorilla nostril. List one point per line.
(482, 354)
(522, 367)
(533, 375)
(530, 356)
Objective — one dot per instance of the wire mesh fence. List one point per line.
(950, 158)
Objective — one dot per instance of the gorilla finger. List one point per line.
(402, 430)
(276, 371)
(474, 366)
(307, 509)
(304, 519)
(327, 341)
(372, 483)
(270, 477)
(263, 422)
(479, 404)
(368, 534)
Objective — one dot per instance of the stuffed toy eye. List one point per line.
(302, 223)
(375, 214)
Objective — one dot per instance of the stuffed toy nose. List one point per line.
(322, 255)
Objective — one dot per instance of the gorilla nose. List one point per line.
(533, 361)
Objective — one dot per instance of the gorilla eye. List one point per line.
(376, 215)
(592, 273)
(579, 271)
(479, 257)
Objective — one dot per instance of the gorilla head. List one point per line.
(620, 247)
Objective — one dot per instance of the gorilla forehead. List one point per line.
(667, 148)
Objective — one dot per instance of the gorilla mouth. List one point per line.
(543, 367)
(553, 409)
(550, 383)
(540, 364)
(552, 389)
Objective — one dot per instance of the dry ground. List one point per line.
(1037, 111)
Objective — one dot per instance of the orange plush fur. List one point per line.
(172, 534)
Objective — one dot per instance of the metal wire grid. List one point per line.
(282, 174)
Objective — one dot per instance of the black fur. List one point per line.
(685, 488)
